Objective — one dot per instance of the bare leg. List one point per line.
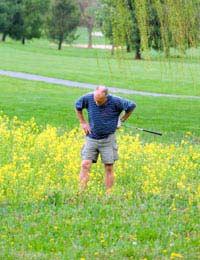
(109, 177)
(84, 174)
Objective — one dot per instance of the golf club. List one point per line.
(144, 130)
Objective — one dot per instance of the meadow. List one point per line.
(153, 211)
(176, 76)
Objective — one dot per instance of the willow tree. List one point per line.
(177, 21)
(120, 23)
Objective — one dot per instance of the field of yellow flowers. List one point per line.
(153, 212)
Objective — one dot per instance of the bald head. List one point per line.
(102, 89)
(100, 95)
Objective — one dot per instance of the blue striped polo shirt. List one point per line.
(103, 119)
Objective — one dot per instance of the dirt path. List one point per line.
(69, 83)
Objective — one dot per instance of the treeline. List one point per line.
(56, 19)
(137, 24)
(159, 24)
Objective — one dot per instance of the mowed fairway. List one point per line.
(100, 67)
(153, 212)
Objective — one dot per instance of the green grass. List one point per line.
(82, 227)
(53, 104)
(99, 67)
(90, 226)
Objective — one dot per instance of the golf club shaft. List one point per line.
(144, 130)
(148, 131)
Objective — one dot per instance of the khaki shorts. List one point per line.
(106, 147)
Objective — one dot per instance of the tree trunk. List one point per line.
(137, 54)
(3, 39)
(23, 41)
(89, 28)
(128, 45)
(60, 43)
(137, 49)
(167, 52)
(113, 49)
(137, 45)
(128, 48)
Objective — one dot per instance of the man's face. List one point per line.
(100, 97)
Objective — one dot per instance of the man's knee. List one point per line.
(109, 168)
(86, 164)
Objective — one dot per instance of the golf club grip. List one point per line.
(152, 132)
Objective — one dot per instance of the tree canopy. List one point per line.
(88, 10)
(63, 20)
(22, 19)
(137, 25)
(161, 24)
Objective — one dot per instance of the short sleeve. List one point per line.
(125, 104)
(81, 103)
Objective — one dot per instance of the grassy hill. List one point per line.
(176, 76)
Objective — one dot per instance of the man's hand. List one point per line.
(86, 128)
(123, 118)
(84, 125)
(119, 123)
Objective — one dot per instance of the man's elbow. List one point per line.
(131, 108)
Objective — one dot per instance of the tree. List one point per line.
(63, 20)
(28, 19)
(120, 25)
(7, 11)
(88, 10)
(179, 24)
(160, 24)
(156, 23)
(133, 39)
(104, 20)
(154, 27)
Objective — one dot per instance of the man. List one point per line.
(103, 120)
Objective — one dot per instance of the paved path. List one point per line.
(69, 83)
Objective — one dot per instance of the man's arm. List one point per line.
(123, 118)
(126, 115)
(128, 106)
(83, 123)
(80, 104)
